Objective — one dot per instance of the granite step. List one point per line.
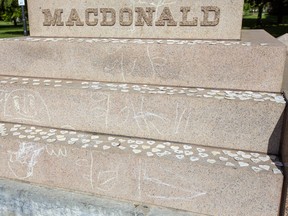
(193, 178)
(250, 121)
(18, 198)
(192, 63)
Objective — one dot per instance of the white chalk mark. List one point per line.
(26, 105)
(151, 62)
(61, 152)
(107, 179)
(178, 119)
(166, 186)
(25, 157)
(91, 170)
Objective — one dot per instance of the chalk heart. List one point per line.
(194, 158)
(232, 154)
(145, 147)
(223, 159)
(238, 158)
(16, 134)
(134, 146)
(94, 137)
(246, 156)
(51, 140)
(115, 144)
(188, 153)
(215, 153)
(111, 138)
(160, 154)
(71, 142)
(187, 147)
(122, 147)
(264, 159)
(243, 164)
(255, 154)
(150, 154)
(256, 169)
(131, 141)
(98, 142)
(174, 147)
(122, 140)
(179, 151)
(160, 146)
(155, 150)
(150, 142)
(105, 147)
(230, 164)
(13, 129)
(265, 167)
(37, 139)
(74, 139)
(84, 141)
(200, 150)
(180, 157)
(211, 161)
(255, 160)
(203, 155)
(137, 151)
(43, 133)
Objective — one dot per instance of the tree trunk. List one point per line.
(15, 21)
(260, 12)
(280, 12)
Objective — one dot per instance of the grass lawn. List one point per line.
(269, 23)
(7, 29)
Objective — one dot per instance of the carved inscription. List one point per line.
(139, 16)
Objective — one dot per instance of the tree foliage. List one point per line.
(278, 6)
(10, 11)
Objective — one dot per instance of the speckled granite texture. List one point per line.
(244, 120)
(226, 13)
(255, 63)
(199, 179)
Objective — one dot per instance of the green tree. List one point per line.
(10, 11)
(259, 4)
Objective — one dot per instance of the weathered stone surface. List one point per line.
(284, 39)
(284, 147)
(230, 119)
(26, 199)
(255, 63)
(143, 171)
(197, 19)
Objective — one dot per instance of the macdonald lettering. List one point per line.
(140, 16)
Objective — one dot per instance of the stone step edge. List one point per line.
(144, 41)
(21, 197)
(189, 153)
(220, 94)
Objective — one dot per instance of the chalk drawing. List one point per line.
(22, 162)
(25, 105)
